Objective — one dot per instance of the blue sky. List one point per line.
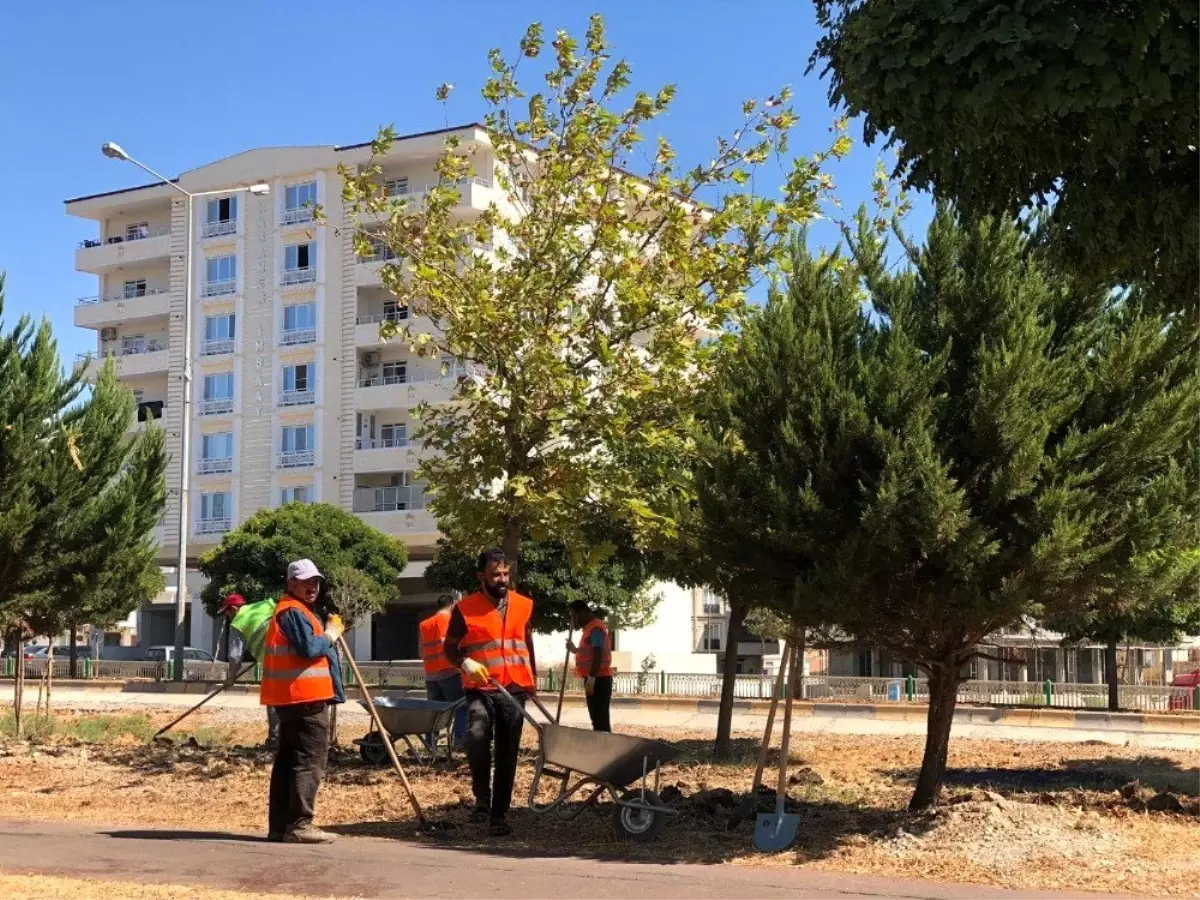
(181, 84)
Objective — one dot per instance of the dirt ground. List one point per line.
(36, 886)
(1021, 815)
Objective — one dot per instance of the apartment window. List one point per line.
(396, 187)
(296, 446)
(220, 275)
(220, 217)
(299, 384)
(219, 333)
(133, 343)
(218, 394)
(714, 603)
(216, 511)
(393, 311)
(216, 453)
(393, 435)
(395, 372)
(714, 636)
(300, 317)
(299, 263)
(135, 287)
(298, 202)
(298, 494)
(137, 231)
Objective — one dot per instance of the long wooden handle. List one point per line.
(562, 688)
(781, 790)
(387, 741)
(246, 668)
(770, 729)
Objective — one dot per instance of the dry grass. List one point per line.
(36, 886)
(1054, 817)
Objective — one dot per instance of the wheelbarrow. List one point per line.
(405, 718)
(604, 763)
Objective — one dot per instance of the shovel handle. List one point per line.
(521, 708)
(770, 729)
(562, 688)
(246, 668)
(781, 790)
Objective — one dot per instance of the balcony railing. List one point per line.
(215, 466)
(389, 499)
(216, 406)
(374, 319)
(296, 459)
(448, 377)
(152, 292)
(380, 443)
(306, 275)
(380, 380)
(213, 526)
(219, 288)
(216, 348)
(295, 216)
(297, 336)
(125, 238)
(297, 398)
(405, 191)
(131, 350)
(217, 229)
(382, 253)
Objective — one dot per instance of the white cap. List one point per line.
(303, 569)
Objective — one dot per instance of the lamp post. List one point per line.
(115, 151)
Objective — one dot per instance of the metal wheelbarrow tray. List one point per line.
(604, 763)
(405, 718)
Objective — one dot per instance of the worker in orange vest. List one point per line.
(593, 662)
(301, 678)
(443, 681)
(491, 640)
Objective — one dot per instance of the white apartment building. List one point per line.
(294, 396)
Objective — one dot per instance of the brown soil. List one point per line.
(1014, 814)
(36, 886)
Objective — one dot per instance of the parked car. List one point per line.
(190, 654)
(82, 651)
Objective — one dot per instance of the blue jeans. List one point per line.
(447, 691)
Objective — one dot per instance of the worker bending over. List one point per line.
(593, 662)
(490, 639)
(248, 623)
(301, 678)
(443, 681)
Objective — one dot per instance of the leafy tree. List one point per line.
(574, 302)
(79, 495)
(617, 581)
(905, 481)
(253, 559)
(1091, 109)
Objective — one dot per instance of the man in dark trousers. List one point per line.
(490, 639)
(301, 678)
(593, 662)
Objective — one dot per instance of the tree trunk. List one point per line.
(49, 671)
(512, 545)
(19, 688)
(801, 650)
(1110, 674)
(723, 748)
(943, 695)
(73, 670)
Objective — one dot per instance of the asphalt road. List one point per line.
(376, 867)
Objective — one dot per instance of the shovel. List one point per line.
(776, 831)
(746, 808)
(158, 734)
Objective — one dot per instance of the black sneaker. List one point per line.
(479, 815)
(499, 828)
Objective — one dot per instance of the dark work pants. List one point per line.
(299, 765)
(491, 718)
(600, 702)
(272, 727)
(447, 690)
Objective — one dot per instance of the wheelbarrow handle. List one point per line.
(521, 707)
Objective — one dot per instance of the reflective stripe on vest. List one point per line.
(433, 644)
(586, 653)
(288, 678)
(498, 642)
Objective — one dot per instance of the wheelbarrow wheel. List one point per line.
(633, 824)
(372, 750)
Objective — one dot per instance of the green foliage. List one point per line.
(79, 494)
(355, 595)
(619, 584)
(1091, 109)
(252, 560)
(574, 302)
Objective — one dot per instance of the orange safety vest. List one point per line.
(433, 646)
(586, 652)
(287, 678)
(496, 641)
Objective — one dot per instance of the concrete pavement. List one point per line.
(375, 867)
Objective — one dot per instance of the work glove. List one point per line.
(334, 627)
(589, 686)
(475, 672)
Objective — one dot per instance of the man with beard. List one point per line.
(490, 639)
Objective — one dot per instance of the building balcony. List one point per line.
(147, 411)
(473, 194)
(298, 279)
(142, 359)
(219, 229)
(218, 288)
(297, 336)
(214, 466)
(398, 511)
(377, 456)
(408, 391)
(213, 526)
(216, 406)
(297, 216)
(100, 312)
(296, 459)
(123, 250)
(366, 328)
(217, 347)
(297, 398)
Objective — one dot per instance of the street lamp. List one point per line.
(115, 151)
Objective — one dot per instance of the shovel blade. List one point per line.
(775, 831)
